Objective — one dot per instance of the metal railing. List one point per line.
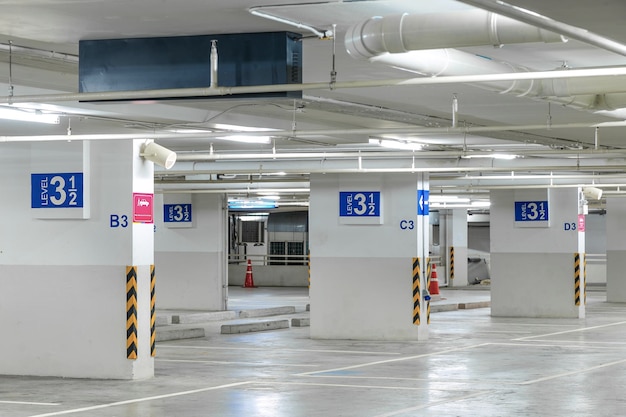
(242, 259)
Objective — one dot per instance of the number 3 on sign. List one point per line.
(365, 204)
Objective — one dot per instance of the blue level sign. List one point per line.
(359, 203)
(60, 190)
(531, 211)
(177, 213)
(422, 202)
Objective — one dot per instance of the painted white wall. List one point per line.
(63, 282)
(532, 268)
(191, 262)
(361, 275)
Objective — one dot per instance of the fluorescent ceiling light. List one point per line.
(28, 116)
(236, 128)
(246, 139)
(397, 144)
(447, 199)
(492, 155)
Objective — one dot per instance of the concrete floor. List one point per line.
(473, 365)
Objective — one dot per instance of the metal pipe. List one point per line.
(547, 23)
(274, 88)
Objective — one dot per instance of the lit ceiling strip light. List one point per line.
(28, 116)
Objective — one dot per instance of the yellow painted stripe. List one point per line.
(152, 311)
(577, 278)
(131, 312)
(451, 262)
(417, 272)
(585, 277)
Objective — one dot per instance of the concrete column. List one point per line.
(191, 253)
(616, 250)
(537, 253)
(362, 265)
(455, 250)
(64, 290)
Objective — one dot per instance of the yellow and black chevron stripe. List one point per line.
(131, 312)
(451, 262)
(417, 273)
(152, 312)
(577, 278)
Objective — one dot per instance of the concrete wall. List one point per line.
(270, 275)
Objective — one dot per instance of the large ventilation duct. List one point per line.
(424, 45)
(403, 33)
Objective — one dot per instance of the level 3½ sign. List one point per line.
(359, 204)
(58, 190)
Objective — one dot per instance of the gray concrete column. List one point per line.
(365, 233)
(537, 253)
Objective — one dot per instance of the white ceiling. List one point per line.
(328, 129)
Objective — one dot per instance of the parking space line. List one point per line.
(432, 404)
(27, 403)
(593, 368)
(139, 400)
(583, 329)
(406, 358)
(349, 352)
(237, 363)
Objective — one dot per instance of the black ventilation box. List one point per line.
(247, 59)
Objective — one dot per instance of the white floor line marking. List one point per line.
(282, 350)
(236, 363)
(430, 380)
(550, 344)
(139, 400)
(27, 403)
(593, 368)
(432, 404)
(581, 342)
(312, 384)
(584, 329)
(406, 358)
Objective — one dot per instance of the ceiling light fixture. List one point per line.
(492, 155)
(247, 139)
(28, 116)
(396, 144)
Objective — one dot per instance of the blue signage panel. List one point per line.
(359, 203)
(61, 190)
(177, 213)
(422, 202)
(531, 211)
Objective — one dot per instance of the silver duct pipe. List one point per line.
(544, 22)
(394, 42)
(405, 32)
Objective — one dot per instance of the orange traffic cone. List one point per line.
(433, 288)
(249, 282)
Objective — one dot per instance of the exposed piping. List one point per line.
(319, 132)
(405, 32)
(544, 22)
(320, 33)
(415, 44)
(274, 88)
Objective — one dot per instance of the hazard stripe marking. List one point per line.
(152, 312)
(577, 278)
(131, 312)
(451, 262)
(585, 277)
(429, 271)
(416, 290)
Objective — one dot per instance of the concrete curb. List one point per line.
(257, 326)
